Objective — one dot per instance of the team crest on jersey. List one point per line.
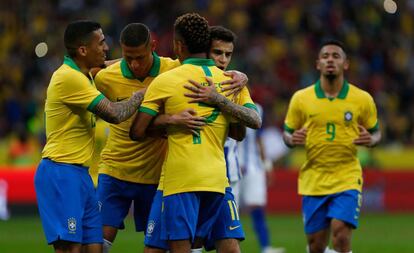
(348, 116)
(150, 227)
(72, 225)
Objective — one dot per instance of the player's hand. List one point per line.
(364, 138)
(189, 119)
(235, 84)
(206, 94)
(299, 137)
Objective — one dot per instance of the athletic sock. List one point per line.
(106, 246)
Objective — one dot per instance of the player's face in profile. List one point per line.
(96, 49)
(139, 58)
(332, 61)
(221, 52)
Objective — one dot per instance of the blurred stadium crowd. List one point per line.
(276, 47)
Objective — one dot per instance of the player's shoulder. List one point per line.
(67, 73)
(167, 64)
(354, 90)
(305, 92)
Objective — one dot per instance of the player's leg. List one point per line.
(63, 192)
(316, 221)
(115, 200)
(227, 230)
(67, 247)
(344, 211)
(92, 222)
(153, 242)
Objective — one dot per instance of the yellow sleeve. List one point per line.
(156, 93)
(244, 99)
(294, 118)
(369, 115)
(80, 92)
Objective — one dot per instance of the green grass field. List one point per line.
(378, 233)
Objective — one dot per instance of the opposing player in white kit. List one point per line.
(251, 189)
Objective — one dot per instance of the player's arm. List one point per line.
(187, 118)
(237, 131)
(142, 121)
(117, 112)
(208, 94)
(366, 138)
(295, 138)
(235, 84)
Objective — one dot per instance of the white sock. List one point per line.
(327, 250)
(334, 251)
(106, 246)
(199, 250)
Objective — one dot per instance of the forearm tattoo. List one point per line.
(246, 116)
(120, 111)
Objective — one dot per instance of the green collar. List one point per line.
(199, 61)
(154, 71)
(342, 94)
(71, 63)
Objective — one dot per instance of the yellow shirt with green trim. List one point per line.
(122, 158)
(70, 126)
(192, 163)
(332, 125)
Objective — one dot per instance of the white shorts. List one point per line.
(251, 190)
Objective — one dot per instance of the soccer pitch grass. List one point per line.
(377, 233)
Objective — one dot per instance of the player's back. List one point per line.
(193, 163)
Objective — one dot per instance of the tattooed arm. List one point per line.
(120, 111)
(208, 94)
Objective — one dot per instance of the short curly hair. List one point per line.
(195, 32)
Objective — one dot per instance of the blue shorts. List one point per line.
(115, 197)
(153, 233)
(190, 214)
(318, 211)
(227, 225)
(67, 203)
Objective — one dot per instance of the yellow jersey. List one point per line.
(70, 126)
(122, 158)
(332, 125)
(193, 163)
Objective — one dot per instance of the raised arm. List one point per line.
(208, 94)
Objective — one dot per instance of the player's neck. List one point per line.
(82, 66)
(332, 87)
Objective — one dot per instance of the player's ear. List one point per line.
(153, 44)
(346, 64)
(318, 64)
(82, 50)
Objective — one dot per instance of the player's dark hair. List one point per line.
(79, 33)
(335, 42)
(193, 29)
(135, 34)
(222, 33)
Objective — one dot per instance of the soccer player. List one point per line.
(66, 197)
(129, 171)
(331, 118)
(194, 169)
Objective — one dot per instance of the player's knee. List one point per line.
(228, 246)
(341, 237)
